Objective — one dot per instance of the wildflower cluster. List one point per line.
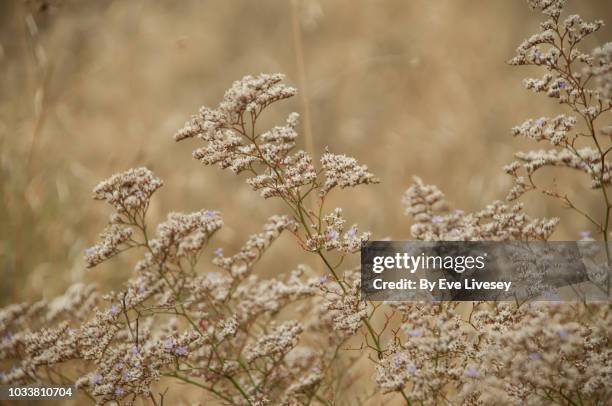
(517, 353)
(129, 194)
(233, 142)
(499, 353)
(496, 222)
(544, 354)
(208, 329)
(170, 321)
(580, 82)
(226, 332)
(431, 351)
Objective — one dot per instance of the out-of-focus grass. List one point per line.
(88, 88)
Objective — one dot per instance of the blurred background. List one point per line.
(90, 88)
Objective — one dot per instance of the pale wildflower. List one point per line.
(306, 383)
(334, 237)
(250, 94)
(227, 328)
(181, 351)
(553, 130)
(472, 372)
(497, 221)
(601, 70)
(344, 171)
(421, 201)
(279, 342)
(184, 235)
(580, 81)
(586, 159)
(545, 347)
(242, 262)
(112, 240)
(232, 143)
(128, 192)
(96, 379)
(345, 309)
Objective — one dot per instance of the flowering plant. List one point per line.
(231, 335)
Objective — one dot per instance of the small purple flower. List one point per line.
(562, 84)
(412, 370)
(585, 234)
(141, 285)
(397, 360)
(119, 391)
(210, 213)
(437, 219)
(219, 252)
(90, 251)
(534, 356)
(181, 351)
(135, 350)
(323, 279)
(114, 309)
(351, 233)
(472, 372)
(169, 344)
(332, 235)
(540, 122)
(415, 333)
(126, 376)
(96, 379)
(563, 334)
